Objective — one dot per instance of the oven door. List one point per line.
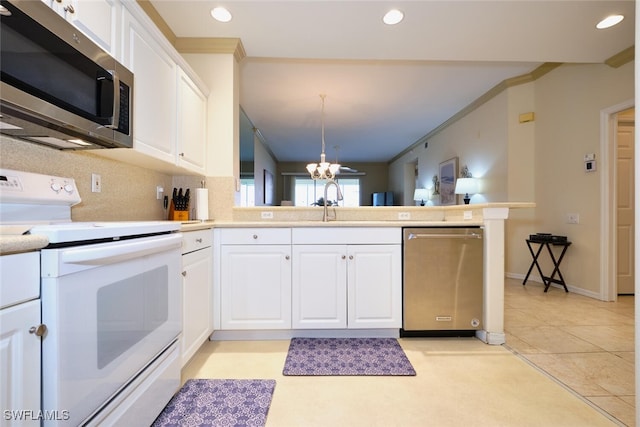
(110, 310)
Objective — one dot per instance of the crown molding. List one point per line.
(621, 58)
(490, 94)
(162, 25)
(211, 45)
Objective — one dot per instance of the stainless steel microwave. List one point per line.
(57, 87)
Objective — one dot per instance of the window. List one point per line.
(307, 192)
(247, 192)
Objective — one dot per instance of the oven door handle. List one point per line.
(123, 251)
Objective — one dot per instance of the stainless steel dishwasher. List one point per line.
(442, 281)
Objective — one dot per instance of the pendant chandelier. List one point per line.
(324, 169)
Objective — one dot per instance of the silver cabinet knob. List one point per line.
(255, 237)
(344, 256)
(39, 330)
(287, 257)
(198, 240)
(69, 9)
(350, 256)
(184, 274)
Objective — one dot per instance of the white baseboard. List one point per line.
(286, 334)
(538, 279)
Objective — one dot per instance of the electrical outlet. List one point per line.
(96, 183)
(467, 215)
(573, 218)
(266, 215)
(404, 215)
(159, 192)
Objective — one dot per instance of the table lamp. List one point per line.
(421, 194)
(466, 186)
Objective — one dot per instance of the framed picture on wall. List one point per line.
(448, 175)
(268, 188)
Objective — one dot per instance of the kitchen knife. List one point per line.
(186, 200)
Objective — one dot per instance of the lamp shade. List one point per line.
(421, 194)
(466, 186)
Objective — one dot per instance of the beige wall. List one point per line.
(568, 105)
(540, 161)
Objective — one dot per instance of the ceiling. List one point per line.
(388, 86)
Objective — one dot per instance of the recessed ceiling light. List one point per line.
(221, 14)
(393, 17)
(609, 21)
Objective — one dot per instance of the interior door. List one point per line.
(625, 202)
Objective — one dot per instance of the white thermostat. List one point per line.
(590, 162)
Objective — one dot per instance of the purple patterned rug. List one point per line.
(204, 402)
(346, 356)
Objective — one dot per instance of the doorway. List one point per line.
(625, 200)
(617, 201)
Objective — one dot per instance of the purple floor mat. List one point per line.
(346, 356)
(205, 402)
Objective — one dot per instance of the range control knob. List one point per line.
(68, 188)
(55, 186)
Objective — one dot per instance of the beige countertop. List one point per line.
(330, 224)
(15, 243)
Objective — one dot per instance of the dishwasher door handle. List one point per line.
(445, 236)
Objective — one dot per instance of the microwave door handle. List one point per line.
(115, 118)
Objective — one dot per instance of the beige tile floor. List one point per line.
(462, 381)
(586, 344)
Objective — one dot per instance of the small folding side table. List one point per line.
(556, 262)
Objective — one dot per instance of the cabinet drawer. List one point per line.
(255, 236)
(347, 236)
(20, 278)
(194, 240)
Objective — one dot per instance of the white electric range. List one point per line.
(111, 305)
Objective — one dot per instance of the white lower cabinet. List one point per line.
(20, 364)
(310, 278)
(347, 286)
(197, 299)
(374, 286)
(20, 339)
(256, 287)
(319, 292)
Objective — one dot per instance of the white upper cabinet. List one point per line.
(169, 99)
(192, 124)
(97, 19)
(154, 102)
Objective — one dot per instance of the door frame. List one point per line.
(608, 199)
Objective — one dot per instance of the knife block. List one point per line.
(175, 215)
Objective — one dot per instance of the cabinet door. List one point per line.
(256, 287)
(197, 301)
(374, 286)
(98, 20)
(154, 103)
(319, 289)
(20, 362)
(191, 122)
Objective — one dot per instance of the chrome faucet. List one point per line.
(325, 216)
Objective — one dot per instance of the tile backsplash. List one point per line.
(128, 192)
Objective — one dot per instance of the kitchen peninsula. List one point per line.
(271, 237)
